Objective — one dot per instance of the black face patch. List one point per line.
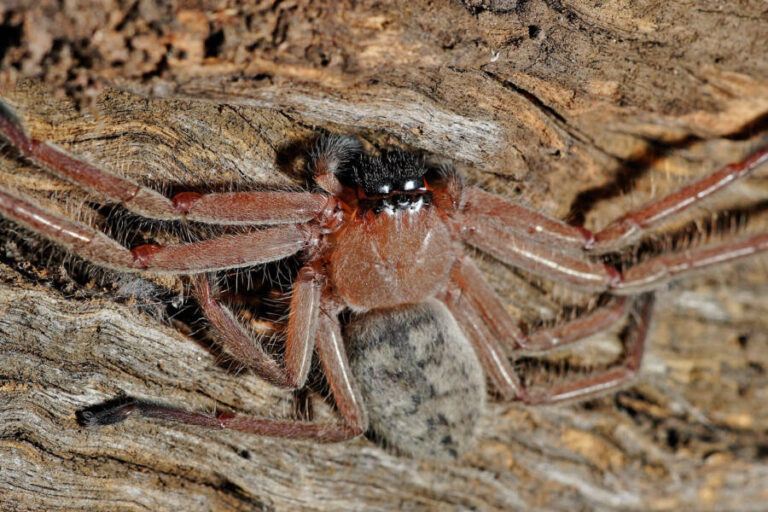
(392, 171)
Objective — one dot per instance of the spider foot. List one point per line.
(107, 413)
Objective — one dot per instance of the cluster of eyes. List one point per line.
(409, 204)
(409, 197)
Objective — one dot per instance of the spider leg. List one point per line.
(225, 252)
(482, 329)
(548, 247)
(503, 327)
(332, 356)
(534, 226)
(483, 319)
(629, 227)
(599, 319)
(519, 250)
(579, 270)
(231, 208)
(232, 251)
(329, 154)
(656, 271)
(249, 208)
(611, 378)
(333, 359)
(82, 240)
(537, 227)
(299, 340)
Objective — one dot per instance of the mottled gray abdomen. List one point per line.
(420, 380)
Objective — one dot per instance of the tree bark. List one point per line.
(581, 110)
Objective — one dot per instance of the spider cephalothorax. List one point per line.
(383, 241)
(393, 245)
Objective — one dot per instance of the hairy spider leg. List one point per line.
(480, 306)
(247, 350)
(579, 269)
(333, 358)
(522, 220)
(226, 208)
(491, 310)
(481, 333)
(335, 364)
(78, 238)
(230, 251)
(475, 290)
(583, 272)
(619, 233)
(215, 254)
(629, 227)
(518, 250)
(571, 331)
(328, 155)
(480, 315)
(660, 269)
(636, 334)
(250, 208)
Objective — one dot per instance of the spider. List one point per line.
(382, 240)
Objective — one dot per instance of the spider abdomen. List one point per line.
(383, 261)
(419, 377)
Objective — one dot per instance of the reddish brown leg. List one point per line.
(233, 251)
(480, 297)
(509, 216)
(302, 324)
(503, 327)
(520, 251)
(483, 319)
(217, 208)
(598, 320)
(82, 240)
(330, 351)
(534, 226)
(333, 359)
(245, 349)
(482, 329)
(629, 227)
(634, 346)
(531, 241)
(250, 208)
(650, 274)
(581, 271)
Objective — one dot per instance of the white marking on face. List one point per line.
(415, 207)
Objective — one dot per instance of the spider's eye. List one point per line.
(403, 186)
(412, 184)
(402, 200)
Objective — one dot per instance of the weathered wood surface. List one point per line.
(580, 110)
